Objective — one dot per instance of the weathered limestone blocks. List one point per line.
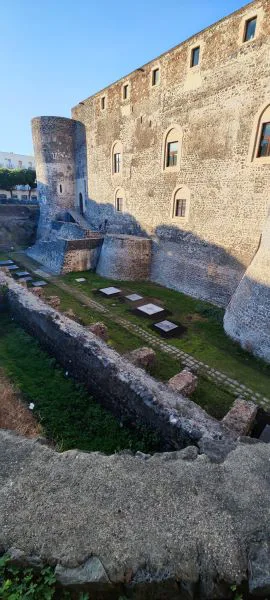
(64, 256)
(157, 527)
(247, 317)
(53, 301)
(99, 329)
(125, 257)
(142, 357)
(122, 388)
(241, 417)
(185, 382)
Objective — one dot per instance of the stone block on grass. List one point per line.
(142, 357)
(100, 330)
(38, 291)
(241, 417)
(184, 382)
(54, 301)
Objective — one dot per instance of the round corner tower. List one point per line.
(54, 140)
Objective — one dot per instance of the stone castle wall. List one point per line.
(214, 106)
(54, 140)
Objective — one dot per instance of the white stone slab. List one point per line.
(166, 326)
(12, 267)
(22, 273)
(110, 291)
(134, 297)
(150, 309)
(80, 279)
(39, 283)
(27, 278)
(5, 263)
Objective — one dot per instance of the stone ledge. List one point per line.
(149, 526)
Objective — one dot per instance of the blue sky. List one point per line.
(55, 53)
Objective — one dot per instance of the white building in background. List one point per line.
(10, 160)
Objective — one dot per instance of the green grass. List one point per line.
(68, 415)
(205, 338)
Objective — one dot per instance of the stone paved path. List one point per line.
(217, 377)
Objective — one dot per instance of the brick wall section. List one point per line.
(125, 257)
(124, 389)
(215, 106)
(63, 256)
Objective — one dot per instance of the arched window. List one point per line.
(117, 157)
(60, 188)
(180, 204)
(172, 149)
(260, 140)
(119, 200)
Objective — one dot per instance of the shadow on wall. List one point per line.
(180, 259)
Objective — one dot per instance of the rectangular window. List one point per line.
(102, 102)
(24, 197)
(116, 162)
(34, 197)
(195, 57)
(264, 147)
(172, 153)
(125, 92)
(250, 29)
(19, 164)
(119, 204)
(180, 208)
(155, 76)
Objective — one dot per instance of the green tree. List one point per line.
(10, 178)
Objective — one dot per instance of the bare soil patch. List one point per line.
(14, 413)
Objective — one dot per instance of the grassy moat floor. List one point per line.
(68, 415)
(204, 338)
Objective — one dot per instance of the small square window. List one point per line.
(116, 162)
(125, 91)
(250, 29)
(195, 57)
(264, 147)
(103, 102)
(172, 154)
(155, 77)
(119, 204)
(180, 208)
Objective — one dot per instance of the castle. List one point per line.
(165, 174)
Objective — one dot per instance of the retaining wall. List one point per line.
(18, 225)
(125, 390)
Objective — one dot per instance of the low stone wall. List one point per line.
(63, 256)
(125, 257)
(18, 225)
(172, 526)
(127, 391)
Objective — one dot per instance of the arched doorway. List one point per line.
(81, 203)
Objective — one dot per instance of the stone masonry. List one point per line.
(214, 112)
(174, 526)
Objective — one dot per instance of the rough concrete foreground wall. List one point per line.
(124, 389)
(165, 528)
(216, 106)
(18, 225)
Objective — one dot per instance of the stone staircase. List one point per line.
(81, 221)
